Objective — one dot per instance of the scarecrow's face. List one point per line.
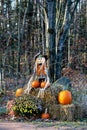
(40, 60)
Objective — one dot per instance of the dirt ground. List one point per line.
(43, 126)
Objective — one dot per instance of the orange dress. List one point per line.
(41, 71)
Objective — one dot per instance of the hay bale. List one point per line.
(61, 112)
(67, 112)
(34, 91)
(49, 98)
(54, 111)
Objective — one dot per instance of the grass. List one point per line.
(58, 124)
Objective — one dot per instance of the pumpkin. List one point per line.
(45, 115)
(19, 92)
(35, 84)
(65, 97)
(43, 84)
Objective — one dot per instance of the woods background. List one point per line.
(57, 28)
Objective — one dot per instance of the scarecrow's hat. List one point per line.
(40, 55)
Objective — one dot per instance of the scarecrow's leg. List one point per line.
(42, 90)
(41, 93)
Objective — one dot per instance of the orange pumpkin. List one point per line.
(43, 84)
(45, 116)
(65, 97)
(35, 84)
(19, 92)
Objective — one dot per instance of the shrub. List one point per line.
(28, 105)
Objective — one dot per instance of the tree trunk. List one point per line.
(63, 38)
(19, 38)
(51, 31)
(86, 31)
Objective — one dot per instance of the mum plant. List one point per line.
(27, 105)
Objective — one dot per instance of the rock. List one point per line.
(78, 114)
(65, 81)
(61, 84)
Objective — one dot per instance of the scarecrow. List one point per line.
(40, 74)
